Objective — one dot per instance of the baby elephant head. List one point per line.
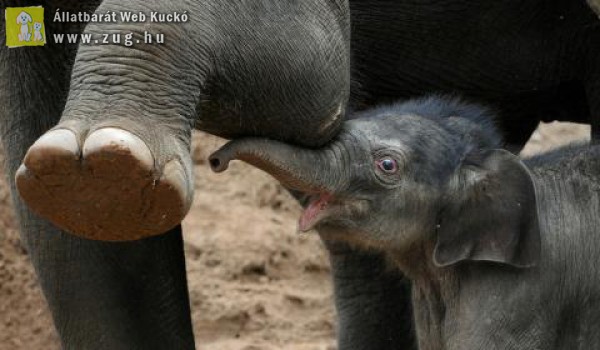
(23, 18)
(423, 173)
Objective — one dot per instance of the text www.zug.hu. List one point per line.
(126, 39)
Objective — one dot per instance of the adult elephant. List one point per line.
(271, 68)
(116, 166)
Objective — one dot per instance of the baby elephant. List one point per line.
(502, 253)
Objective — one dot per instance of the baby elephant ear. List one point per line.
(490, 214)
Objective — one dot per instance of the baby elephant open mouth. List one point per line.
(400, 174)
(317, 174)
(326, 208)
(319, 207)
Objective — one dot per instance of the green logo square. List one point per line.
(25, 26)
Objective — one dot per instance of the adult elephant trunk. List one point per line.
(300, 169)
(118, 166)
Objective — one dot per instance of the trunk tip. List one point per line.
(217, 164)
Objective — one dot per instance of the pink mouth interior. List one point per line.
(314, 211)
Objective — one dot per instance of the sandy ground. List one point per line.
(254, 282)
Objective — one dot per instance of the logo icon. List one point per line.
(25, 26)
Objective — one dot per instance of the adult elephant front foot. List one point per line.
(108, 185)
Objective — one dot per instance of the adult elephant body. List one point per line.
(121, 119)
(531, 61)
(133, 295)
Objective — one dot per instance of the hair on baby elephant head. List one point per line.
(424, 172)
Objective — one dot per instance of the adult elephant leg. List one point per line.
(101, 295)
(373, 301)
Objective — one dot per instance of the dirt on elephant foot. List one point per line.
(109, 185)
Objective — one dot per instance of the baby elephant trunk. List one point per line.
(304, 170)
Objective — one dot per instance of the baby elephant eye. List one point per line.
(388, 165)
